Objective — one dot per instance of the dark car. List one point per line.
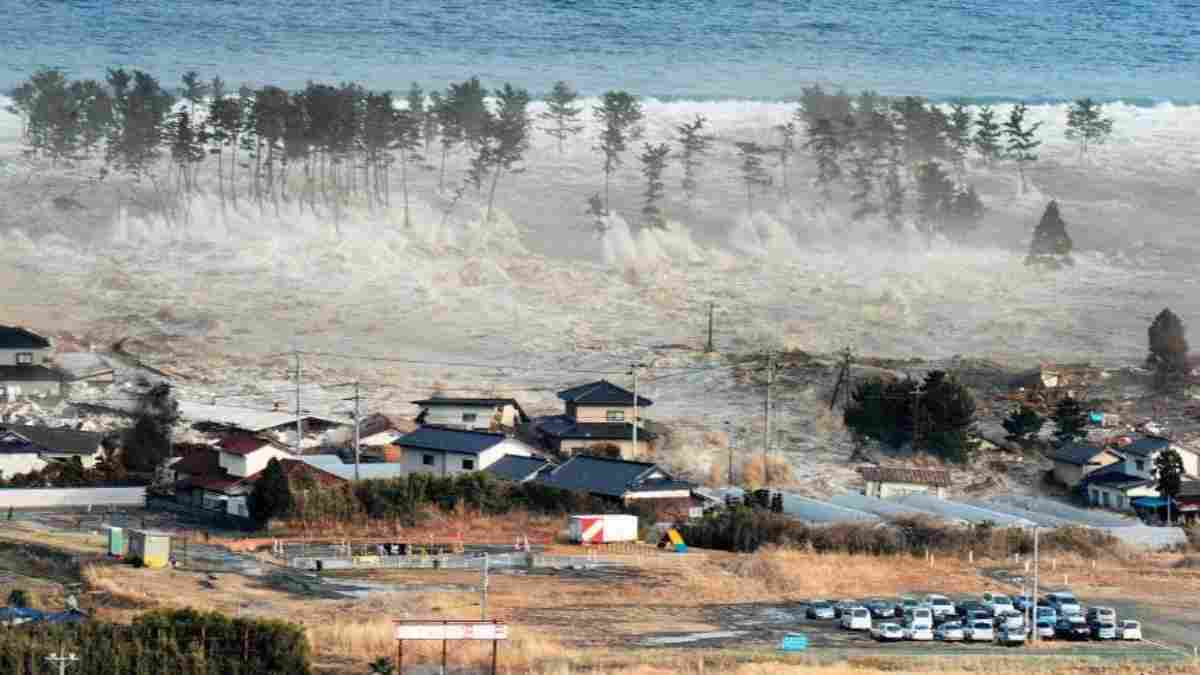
(966, 607)
(906, 604)
(819, 609)
(1072, 628)
(842, 605)
(880, 609)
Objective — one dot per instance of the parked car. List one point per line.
(951, 631)
(1063, 602)
(981, 615)
(1011, 619)
(888, 632)
(1010, 636)
(1131, 630)
(1072, 627)
(980, 631)
(1104, 630)
(1021, 602)
(880, 609)
(819, 609)
(941, 606)
(858, 618)
(919, 633)
(905, 604)
(843, 606)
(1095, 615)
(997, 602)
(1045, 630)
(919, 616)
(965, 608)
(1043, 613)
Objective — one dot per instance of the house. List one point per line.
(621, 481)
(23, 365)
(478, 414)
(29, 448)
(885, 482)
(1140, 454)
(242, 420)
(1074, 461)
(519, 469)
(1112, 487)
(335, 465)
(446, 452)
(1188, 501)
(599, 416)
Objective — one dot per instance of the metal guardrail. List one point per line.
(475, 561)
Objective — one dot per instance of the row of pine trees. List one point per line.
(325, 146)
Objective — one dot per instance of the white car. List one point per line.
(1045, 630)
(887, 632)
(1064, 603)
(1012, 636)
(919, 616)
(980, 631)
(941, 605)
(1105, 630)
(949, 632)
(919, 633)
(1010, 620)
(1131, 630)
(998, 603)
(858, 618)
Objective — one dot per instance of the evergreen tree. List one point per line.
(862, 176)
(1168, 474)
(50, 112)
(468, 101)
(935, 192)
(450, 129)
(884, 411)
(785, 150)
(407, 136)
(987, 134)
(1168, 347)
(187, 148)
(509, 131)
(377, 139)
(1070, 420)
(194, 90)
(654, 161)
(562, 113)
(1087, 124)
(419, 114)
(893, 191)
(826, 149)
(141, 108)
(753, 173)
(429, 126)
(1051, 245)
(1023, 422)
(693, 146)
(272, 494)
(947, 417)
(618, 115)
(1021, 141)
(960, 135)
(148, 442)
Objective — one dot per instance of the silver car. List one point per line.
(949, 632)
(1105, 630)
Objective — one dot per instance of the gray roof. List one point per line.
(1146, 446)
(565, 427)
(1114, 476)
(56, 441)
(15, 337)
(479, 402)
(32, 373)
(450, 440)
(517, 468)
(602, 476)
(366, 471)
(244, 418)
(1189, 488)
(1075, 453)
(601, 392)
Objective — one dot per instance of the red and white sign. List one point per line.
(464, 630)
(592, 530)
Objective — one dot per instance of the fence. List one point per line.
(208, 517)
(475, 561)
(50, 498)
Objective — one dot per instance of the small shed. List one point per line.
(118, 544)
(152, 548)
(887, 482)
(603, 529)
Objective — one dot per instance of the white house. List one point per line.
(1112, 487)
(244, 456)
(1140, 454)
(29, 448)
(446, 452)
(886, 482)
(23, 365)
(480, 414)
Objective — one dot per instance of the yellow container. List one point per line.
(152, 548)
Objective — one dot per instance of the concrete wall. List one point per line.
(13, 464)
(8, 357)
(37, 498)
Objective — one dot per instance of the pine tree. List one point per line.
(429, 126)
(1168, 347)
(935, 191)
(509, 130)
(468, 100)
(148, 442)
(1168, 474)
(1051, 245)
(785, 150)
(753, 173)
(407, 133)
(1087, 124)
(420, 114)
(1070, 420)
(450, 129)
(893, 191)
(987, 135)
(618, 115)
(561, 113)
(862, 176)
(826, 149)
(693, 146)
(1021, 139)
(1023, 422)
(960, 135)
(654, 161)
(271, 496)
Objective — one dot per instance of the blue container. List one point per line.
(794, 642)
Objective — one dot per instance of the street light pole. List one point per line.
(634, 371)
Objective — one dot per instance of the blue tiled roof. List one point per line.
(599, 475)
(517, 468)
(450, 440)
(1146, 446)
(601, 392)
(1074, 453)
(1114, 476)
(14, 337)
(565, 427)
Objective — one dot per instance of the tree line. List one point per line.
(325, 146)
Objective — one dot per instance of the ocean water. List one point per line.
(1140, 51)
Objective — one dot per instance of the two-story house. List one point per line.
(28, 448)
(448, 452)
(1140, 454)
(476, 414)
(221, 478)
(1074, 461)
(599, 416)
(23, 369)
(1118, 484)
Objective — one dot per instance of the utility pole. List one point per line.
(634, 371)
(483, 590)
(708, 347)
(1034, 600)
(62, 661)
(767, 419)
(357, 423)
(732, 443)
(916, 439)
(299, 421)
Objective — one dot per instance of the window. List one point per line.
(1095, 496)
(24, 358)
(470, 417)
(616, 416)
(427, 460)
(1141, 465)
(468, 465)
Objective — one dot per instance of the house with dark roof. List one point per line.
(478, 414)
(1188, 501)
(446, 452)
(23, 365)
(1112, 487)
(885, 481)
(1141, 452)
(519, 469)
(30, 448)
(600, 418)
(621, 481)
(1074, 461)
(212, 479)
